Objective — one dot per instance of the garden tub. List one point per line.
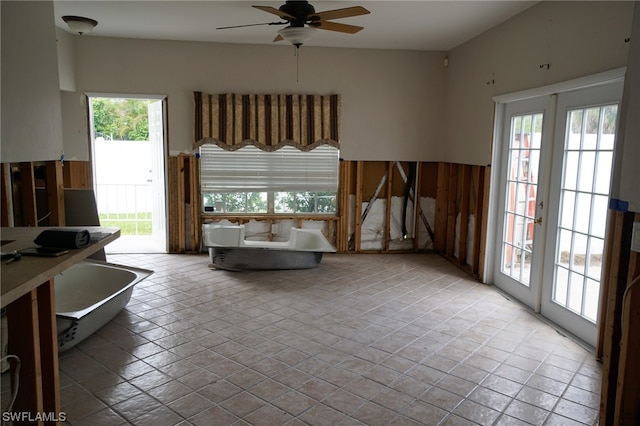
(228, 249)
(89, 295)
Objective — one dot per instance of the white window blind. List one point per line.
(251, 169)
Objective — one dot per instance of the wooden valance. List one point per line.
(268, 122)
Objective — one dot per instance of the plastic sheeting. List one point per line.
(372, 230)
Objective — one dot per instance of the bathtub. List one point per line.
(90, 294)
(228, 249)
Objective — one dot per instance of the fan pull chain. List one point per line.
(297, 53)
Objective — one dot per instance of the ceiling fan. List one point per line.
(302, 20)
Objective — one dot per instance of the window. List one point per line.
(286, 181)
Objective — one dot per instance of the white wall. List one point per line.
(576, 38)
(66, 59)
(625, 183)
(391, 100)
(31, 111)
(397, 105)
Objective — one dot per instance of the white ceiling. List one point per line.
(413, 25)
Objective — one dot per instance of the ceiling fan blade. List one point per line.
(335, 26)
(275, 11)
(339, 13)
(278, 38)
(252, 25)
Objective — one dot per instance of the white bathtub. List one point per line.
(89, 295)
(228, 249)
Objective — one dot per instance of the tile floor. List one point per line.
(362, 339)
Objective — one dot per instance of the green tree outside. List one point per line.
(121, 119)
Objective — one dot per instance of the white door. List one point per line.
(553, 199)
(159, 208)
(585, 134)
(517, 254)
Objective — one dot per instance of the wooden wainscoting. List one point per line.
(19, 206)
(183, 182)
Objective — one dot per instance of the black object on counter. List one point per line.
(63, 238)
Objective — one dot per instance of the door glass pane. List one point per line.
(596, 250)
(571, 170)
(592, 295)
(603, 172)
(562, 287)
(568, 202)
(588, 154)
(587, 163)
(575, 291)
(521, 190)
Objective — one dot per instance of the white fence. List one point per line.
(123, 176)
(130, 199)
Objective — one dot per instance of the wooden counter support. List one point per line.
(49, 346)
(28, 293)
(36, 345)
(22, 315)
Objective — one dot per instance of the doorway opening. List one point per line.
(128, 147)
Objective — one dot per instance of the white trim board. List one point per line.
(605, 77)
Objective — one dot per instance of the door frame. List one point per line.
(165, 141)
(500, 101)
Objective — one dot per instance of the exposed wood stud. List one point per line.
(77, 174)
(479, 219)
(442, 195)
(48, 341)
(23, 315)
(606, 284)
(342, 235)
(181, 199)
(172, 166)
(387, 215)
(194, 203)
(464, 213)
(6, 212)
(28, 195)
(331, 231)
(357, 233)
(452, 210)
(628, 384)
(55, 192)
(416, 206)
(620, 255)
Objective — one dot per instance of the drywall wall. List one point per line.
(391, 100)
(574, 39)
(66, 59)
(627, 175)
(31, 111)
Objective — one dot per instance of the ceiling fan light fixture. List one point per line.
(79, 24)
(297, 36)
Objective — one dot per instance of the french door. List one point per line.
(156, 114)
(555, 171)
(578, 204)
(518, 250)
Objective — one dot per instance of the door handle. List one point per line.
(538, 220)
